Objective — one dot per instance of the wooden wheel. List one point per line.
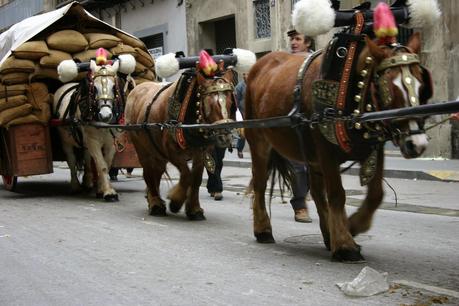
(9, 182)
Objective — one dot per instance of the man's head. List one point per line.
(299, 42)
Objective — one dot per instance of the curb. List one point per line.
(436, 175)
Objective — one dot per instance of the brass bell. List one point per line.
(358, 98)
(368, 60)
(366, 135)
(364, 73)
(358, 125)
(360, 84)
(369, 107)
(356, 112)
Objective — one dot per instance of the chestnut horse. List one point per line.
(210, 100)
(269, 93)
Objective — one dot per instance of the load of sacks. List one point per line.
(26, 75)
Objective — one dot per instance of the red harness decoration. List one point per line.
(341, 132)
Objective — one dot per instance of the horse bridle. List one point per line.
(118, 106)
(221, 87)
(381, 95)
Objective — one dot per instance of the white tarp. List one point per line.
(22, 31)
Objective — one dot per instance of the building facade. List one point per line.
(258, 25)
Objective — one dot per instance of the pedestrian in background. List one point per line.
(300, 45)
(239, 93)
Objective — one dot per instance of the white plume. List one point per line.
(245, 60)
(67, 71)
(313, 17)
(127, 63)
(166, 65)
(423, 13)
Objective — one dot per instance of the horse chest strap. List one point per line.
(181, 116)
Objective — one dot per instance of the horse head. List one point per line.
(216, 101)
(103, 89)
(399, 80)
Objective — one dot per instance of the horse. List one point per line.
(384, 77)
(197, 97)
(97, 98)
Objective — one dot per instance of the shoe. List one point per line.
(129, 175)
(239, 154)
(302, 215)
(218, 196)
(212, 194)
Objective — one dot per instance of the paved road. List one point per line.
(59, 249)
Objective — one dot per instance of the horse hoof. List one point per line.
(99, 195)
(174, 207)
(111, 198)
(198, 216)
(265, 237)
(348, 256)
(157, 210)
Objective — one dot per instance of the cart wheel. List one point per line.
(9, 182)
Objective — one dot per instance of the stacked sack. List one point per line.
(25, 94)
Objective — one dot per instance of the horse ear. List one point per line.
(116, 65)
(414, 43)
(92, 65)
(221, 66)
(376, 51)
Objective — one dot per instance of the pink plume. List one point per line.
(384, 24)
(207, 63)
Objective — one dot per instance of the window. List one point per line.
(262, 18)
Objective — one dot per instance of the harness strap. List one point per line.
(181, 117)
(341, 133)
(59, 102)
(298, 98)
(145, 121)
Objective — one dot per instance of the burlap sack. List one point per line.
(12, 90)
(147, 74)
(12, 64)
(37, 95)
(54, 58)
(68, 41)
(144, 58)
(101, 40)
(31, 118)
(42, 73)
(128, 40)
(12, 101)
(121, 48)
(15, 78)
(32, 50)
(85, 56)
(140, 68)
(15, 112)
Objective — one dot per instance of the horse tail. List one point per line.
(280, 169)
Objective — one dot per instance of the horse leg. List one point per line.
(360, 221)
(88, 180)
(192, 207)
(342, 244)
(320, 199)
(177, 194)
(71, 162)
(152, 174)
(103, 185)
(259, 150)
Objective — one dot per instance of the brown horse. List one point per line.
(395, 80)
(200, 99)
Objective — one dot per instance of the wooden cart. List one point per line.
(30, 149)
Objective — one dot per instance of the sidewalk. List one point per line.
(395, 167)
